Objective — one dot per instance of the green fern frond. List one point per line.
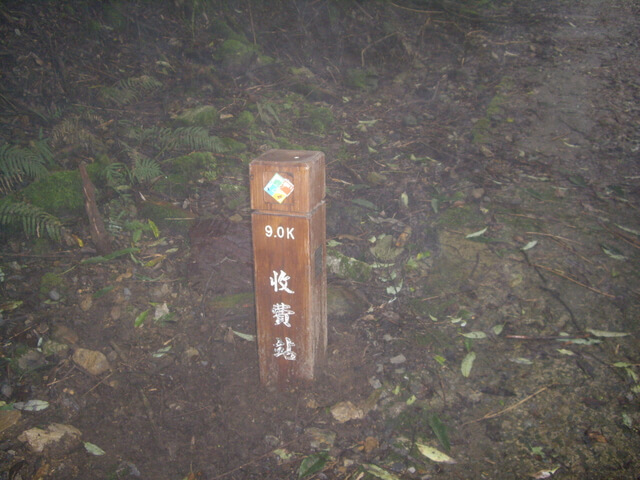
(117, 174)
(41, 148)
(130, 90)
(31, 219)
(71, 131)
(184, 138)
(146, 169)
(17, 164)
(197, 138)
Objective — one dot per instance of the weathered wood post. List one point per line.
(288, 227)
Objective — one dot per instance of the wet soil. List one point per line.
(496, 142)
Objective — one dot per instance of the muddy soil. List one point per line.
(496, 336)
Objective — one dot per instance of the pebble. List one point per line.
(58, 439)
(398, 359)
(477, 193)
(64, 334)
(272, 441)
(54, 295)
(86, 303)
(31, 360)
(375, 383)
(92, 361)
(320, 438)
(410, 120)
(345, 411)
(6, 390)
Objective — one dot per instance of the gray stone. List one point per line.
(320, 438)
(398, 359)
(31, 360)
(375, 383)
(58, 439)
(345, 411)
(92, 361)
(343, 303)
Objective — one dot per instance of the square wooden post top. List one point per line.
(288, 181)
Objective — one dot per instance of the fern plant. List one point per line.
(130, 90)
(31, 219)
(120, 177)
(18, 164)
(182, 138)
(74, 131)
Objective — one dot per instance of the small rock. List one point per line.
(375, 383)
(51, 347)
(398, 359)
(86, 303)
(370, 444)
(64, 334)
(92, 361)
(9, 418)
(477, 193)
(191, 352)
(161, 291)
(396, 409)
(272, 441)
(312, 403)
(375, 178)
(58, 439)
(31, 360)
(70, 406)
(321, 439)
(409, 120)
(128, 468)
(115, 313)
(345, 411)
(54, 295)
(343, 303)
(6, 390)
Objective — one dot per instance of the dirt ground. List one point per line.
(495, 336)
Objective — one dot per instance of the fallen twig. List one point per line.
(626, 238)
(515, 405)
(562, 274)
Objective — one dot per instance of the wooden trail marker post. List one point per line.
(288, 229)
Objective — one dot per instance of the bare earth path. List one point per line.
(483, 192)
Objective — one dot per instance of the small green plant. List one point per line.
(121, 178)
(185, 138)
(137, 228)
(33, 221)
(130, 90)
(18, 166)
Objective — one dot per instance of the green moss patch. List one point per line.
(59, 193)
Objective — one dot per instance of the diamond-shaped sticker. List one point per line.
(279, 188)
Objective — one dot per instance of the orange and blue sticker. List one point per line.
(279, 188)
